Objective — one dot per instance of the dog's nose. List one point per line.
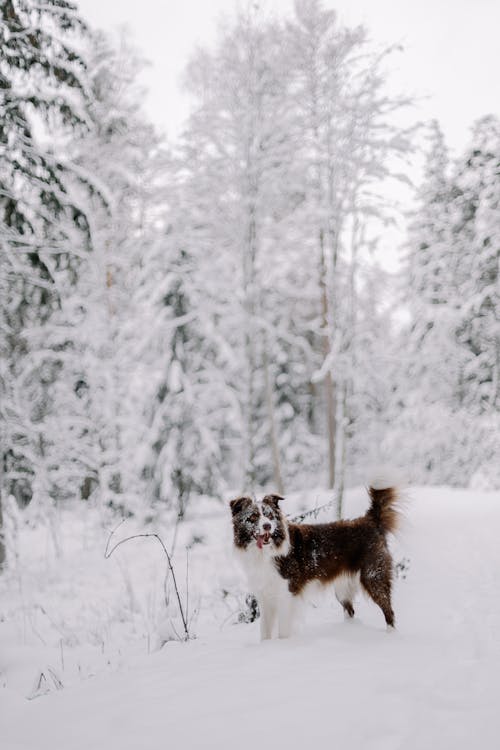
(266, 527)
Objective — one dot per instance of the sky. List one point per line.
(450, 61)
(451, 57)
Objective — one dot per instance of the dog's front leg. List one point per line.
(286, 615)
(267, 617)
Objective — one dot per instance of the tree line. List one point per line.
(208, 315)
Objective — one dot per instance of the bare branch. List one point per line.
(108, 552)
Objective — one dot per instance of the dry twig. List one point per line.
(108, 552)
(313, 513)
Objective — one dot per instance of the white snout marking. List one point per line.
(264, 521)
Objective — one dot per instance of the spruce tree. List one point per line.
(43, 91)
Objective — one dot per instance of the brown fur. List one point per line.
(246, 515)
(323, 552)
(383, 509)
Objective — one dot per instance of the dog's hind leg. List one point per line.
(348, 609)
(346, 587)
(377, 581)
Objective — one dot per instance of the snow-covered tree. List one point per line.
(239, 155)
(349, 145)
(122, 152)
(43, 229)
(448, 383)
(478, 200)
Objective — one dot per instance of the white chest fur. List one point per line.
(261, 572)
(276, 604)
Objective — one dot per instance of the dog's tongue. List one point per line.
(262, 539)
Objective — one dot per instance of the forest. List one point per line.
(213, 315)
(300, 286)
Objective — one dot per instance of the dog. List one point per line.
(281, 559)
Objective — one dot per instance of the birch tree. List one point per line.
(349, 146)
(237, 146)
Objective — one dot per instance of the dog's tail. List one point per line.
(384, 510)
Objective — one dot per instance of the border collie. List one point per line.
(281, 558)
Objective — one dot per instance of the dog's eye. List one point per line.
(254, 517)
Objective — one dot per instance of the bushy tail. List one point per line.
(384, 508)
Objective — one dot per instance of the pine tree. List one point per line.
(432, 362)
(43, 229)
(478, 200)
(40, 75)
(451, 345)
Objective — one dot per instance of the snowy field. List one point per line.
(81, 665)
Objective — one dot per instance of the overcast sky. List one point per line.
(451, 60)
(451, 57)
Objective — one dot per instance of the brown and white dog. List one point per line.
(281, 558)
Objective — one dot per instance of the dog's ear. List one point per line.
(273, 500)
(239, 504)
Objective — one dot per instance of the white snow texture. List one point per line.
(433, 683)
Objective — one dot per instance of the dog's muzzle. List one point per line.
(263, 539)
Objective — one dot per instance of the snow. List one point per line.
(431, 683)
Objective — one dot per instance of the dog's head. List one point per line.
(261, 525)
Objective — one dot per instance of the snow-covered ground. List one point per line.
(92, 628)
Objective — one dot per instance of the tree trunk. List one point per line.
(2, 539)
(340, 453)
(249, 291)
(329, 383)
(278, 479)
(331, 423)
(3, 552)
